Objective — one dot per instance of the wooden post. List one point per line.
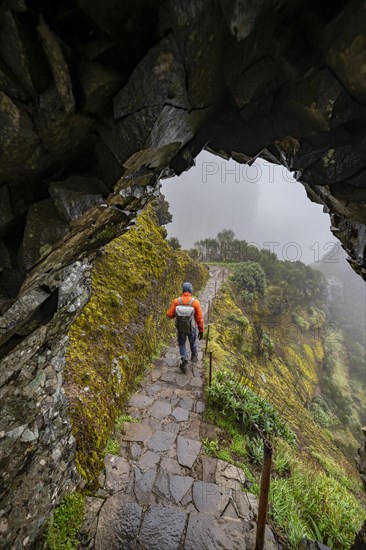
(210, 371)
(208, 312)
(263, 495)
(215, 288)
(207, 337)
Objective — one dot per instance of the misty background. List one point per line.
(261, 204)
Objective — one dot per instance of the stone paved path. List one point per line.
(163, 492)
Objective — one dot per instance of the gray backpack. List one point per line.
(184, 316)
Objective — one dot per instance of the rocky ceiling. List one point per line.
(99, 100)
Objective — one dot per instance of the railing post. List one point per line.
(210, 371)
(264, 493)
(207, 337)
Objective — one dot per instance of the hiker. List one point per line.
(187, 313)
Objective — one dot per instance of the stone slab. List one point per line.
(136, 432)
(144, 482)
(168, 376)
(209, 498)
(160, 409)
(119, 524)
(161, 487)
(161, 441)
(140, 401)
(180, 414)
(179, 486)
(208, 469)
(187, 451)
(117, 471)
(148, 460)
(162, 528)
(152, 389)
(205, 532)
(172, 466)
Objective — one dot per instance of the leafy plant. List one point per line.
(210, 446)
(125, 418)
(240, 403)
(313, 505)
(112, 447)
(65, 523)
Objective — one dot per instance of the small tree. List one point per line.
(250, 279)
(174, 243)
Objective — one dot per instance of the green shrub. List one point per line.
(250, 278)
(238, 402)
(65, 523)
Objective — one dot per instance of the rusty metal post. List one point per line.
(210, 371)
(264, 493)
(207, 337)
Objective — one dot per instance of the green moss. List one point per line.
(65, 523)
(114, 339)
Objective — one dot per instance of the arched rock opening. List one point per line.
(98, 101)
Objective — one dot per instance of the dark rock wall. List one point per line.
(98, 101)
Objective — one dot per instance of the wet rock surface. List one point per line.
(169, 495)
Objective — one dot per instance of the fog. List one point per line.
(261, 204)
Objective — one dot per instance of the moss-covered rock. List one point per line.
(119, 331)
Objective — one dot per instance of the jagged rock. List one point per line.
(18, 140)
(6, 213)
(99, 85)
(345, 48)
(44, 228)
(58, 65)
(74, 196)
(13, 50)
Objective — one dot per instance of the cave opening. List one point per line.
(267, 210)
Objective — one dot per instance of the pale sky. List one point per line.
(261, 204)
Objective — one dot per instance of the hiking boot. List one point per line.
(183, 364)
(194, 357)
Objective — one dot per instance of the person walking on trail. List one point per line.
(188, 317)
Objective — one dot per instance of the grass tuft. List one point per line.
(63, 527)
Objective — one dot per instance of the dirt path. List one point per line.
(163, 492)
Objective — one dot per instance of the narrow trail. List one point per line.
(163, 492)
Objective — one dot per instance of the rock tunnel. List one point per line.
(98, 102)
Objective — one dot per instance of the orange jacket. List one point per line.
(186, 296)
